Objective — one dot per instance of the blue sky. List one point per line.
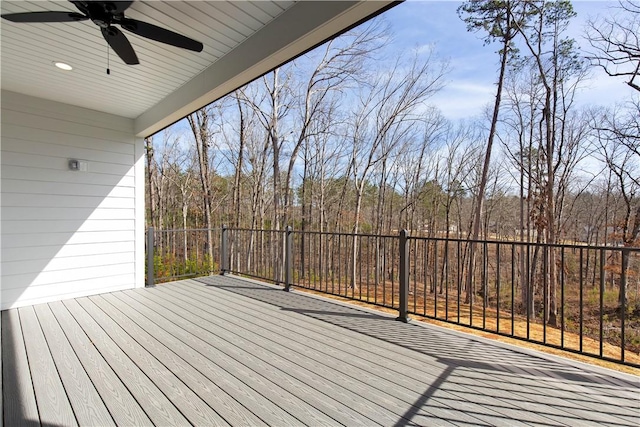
(473, 67)
(471, 81)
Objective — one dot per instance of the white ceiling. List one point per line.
(242, 40)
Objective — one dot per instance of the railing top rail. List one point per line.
(256, 230)
(326, 233)
(410, 237)
(174, 230)
(383, 236)
(536, 244)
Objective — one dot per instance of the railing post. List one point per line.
(224, 256)
(288, 257)
(150, 250)
(403, 309)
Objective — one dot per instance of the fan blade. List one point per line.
(120, 45)
(159, 34)
(45, 17)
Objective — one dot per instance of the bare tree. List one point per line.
(623, 162)
(243, 129)
(616, 42)
(341, 64)
(178, 170)
(388, 108)
(499, 19)
(200, 124)
(418, 164)
(151, 173)
(556, 61)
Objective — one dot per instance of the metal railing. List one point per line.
(562, 296)
(356, 266)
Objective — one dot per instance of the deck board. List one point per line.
(87, 405)
(233, 377)
(209, 392)
(276, 383)
(179, 394)
(384, 371)
(155, 404)
(120, 403)
(300, 374)
(19, 406)
(53, 403)
(490, 364)
(380, 372)
(356, 376)
(228, 351)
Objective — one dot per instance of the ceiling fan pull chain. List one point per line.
(108, 70)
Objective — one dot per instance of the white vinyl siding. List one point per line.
(64, 233)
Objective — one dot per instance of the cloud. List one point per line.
(602, 89)
(463, 99)
(473, 65)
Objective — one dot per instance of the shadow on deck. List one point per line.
(222, 350)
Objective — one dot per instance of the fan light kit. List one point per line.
(105, 14)
(63, 66)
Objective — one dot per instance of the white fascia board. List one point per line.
(302, 26)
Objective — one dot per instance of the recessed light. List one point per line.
(63, 66)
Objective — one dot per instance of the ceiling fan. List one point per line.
(105, 14)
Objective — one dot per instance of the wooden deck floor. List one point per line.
(226, 351)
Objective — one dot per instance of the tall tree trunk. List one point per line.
(237, 183)
(151, 190)
(237, 187)
(199, 123)
(275, 140)
(630, 240)
(477, 215)
(304, 207)
(354, 245)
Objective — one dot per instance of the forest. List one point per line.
(334, 142)
(347, 138)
